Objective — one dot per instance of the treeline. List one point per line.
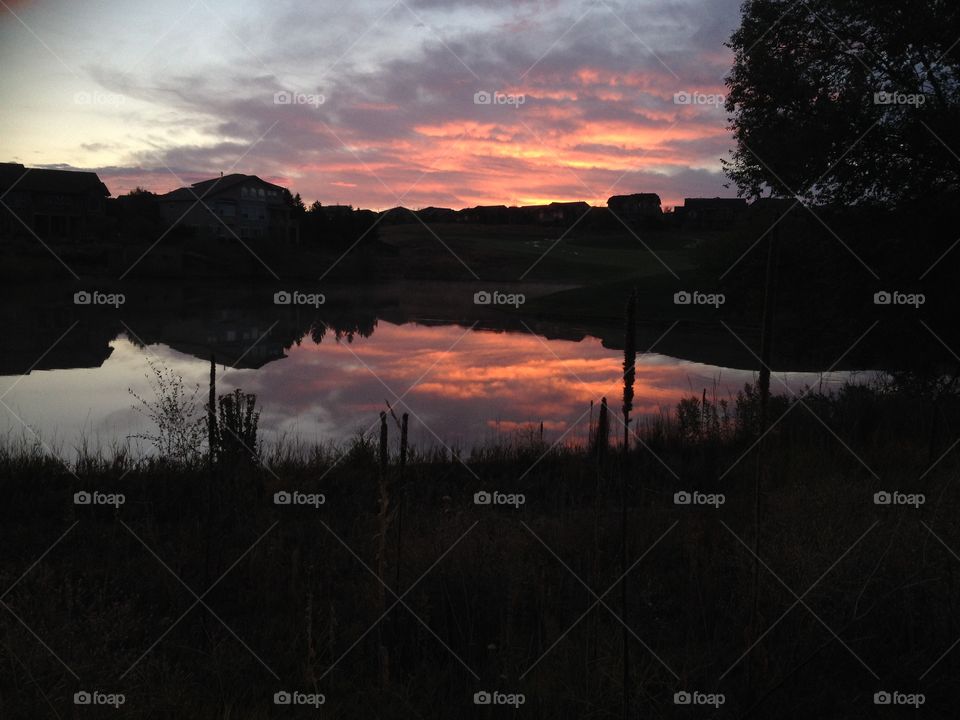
(137, 216)
(334, 227)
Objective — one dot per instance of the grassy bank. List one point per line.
(495, 597)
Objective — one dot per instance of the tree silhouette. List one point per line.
(845, 100)
(295, 203)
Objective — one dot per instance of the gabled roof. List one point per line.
(574, 205)
(50, 181)
(571, 204)
(211, 188)
(639, 196)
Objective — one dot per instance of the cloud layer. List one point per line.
(376, 104)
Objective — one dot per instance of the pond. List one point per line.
(323, 380)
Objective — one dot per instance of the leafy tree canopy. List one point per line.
(846, 100)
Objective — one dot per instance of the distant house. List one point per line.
(398, 216)
(437, 215)
(710, 213)
(557, 213)
(635, 207)
(56, 205)
(335, 212)
(485, 215)
(237, 340)
(233, 205)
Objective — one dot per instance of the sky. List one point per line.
(375, 103)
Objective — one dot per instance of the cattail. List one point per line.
(399, 511)
(704, 419)
(601, 439)
(629, 364)
(384, 524)
(403, 444)
(629, 374)
(383, 442)
(590, 425)
(212, 409)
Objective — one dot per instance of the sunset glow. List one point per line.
(382, 101)
(460, 387)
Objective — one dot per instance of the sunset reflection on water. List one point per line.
(461, 387)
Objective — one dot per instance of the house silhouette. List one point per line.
(236, 205)
(54, 205)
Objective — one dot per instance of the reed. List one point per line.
(493, 590)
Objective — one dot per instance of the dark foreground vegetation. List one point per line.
(200, 597)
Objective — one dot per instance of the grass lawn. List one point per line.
(531, 252)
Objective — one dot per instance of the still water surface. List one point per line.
(462, 387)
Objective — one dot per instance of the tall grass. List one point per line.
(499, 601)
